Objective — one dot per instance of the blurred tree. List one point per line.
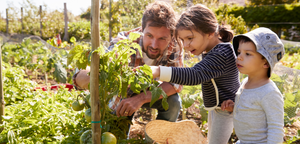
(132, 12)
(270, 2)
(125, 14)
(183, 3)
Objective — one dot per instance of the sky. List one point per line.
(74, 6)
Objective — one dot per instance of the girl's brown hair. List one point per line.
(203, 20)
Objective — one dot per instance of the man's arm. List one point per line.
(130, 105)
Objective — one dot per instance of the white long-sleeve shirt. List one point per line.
(258, 115)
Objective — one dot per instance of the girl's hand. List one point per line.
(155, 71)
(227, 105)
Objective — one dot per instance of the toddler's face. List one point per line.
(249, 61)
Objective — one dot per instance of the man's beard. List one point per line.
(149, 55)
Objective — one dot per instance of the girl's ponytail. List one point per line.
(225, 33)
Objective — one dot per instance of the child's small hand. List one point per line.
(227, 105)
(155, 71)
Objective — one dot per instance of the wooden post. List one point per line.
(7, 20)
(22, 20)
(41, 26)
(66, 36)
(110, 23)
(2, 102)
(94, 73)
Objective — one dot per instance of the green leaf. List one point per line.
(72, 39)
(155, 94)
(134, 85)
(188, 100)
(165, 104)
(147, 70)
(30, 121)
(11, 137)
(134, 36)
(7, 117)
(60, 73)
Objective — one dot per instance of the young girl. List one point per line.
(199, 33)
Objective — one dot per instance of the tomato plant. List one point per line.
(115, 76)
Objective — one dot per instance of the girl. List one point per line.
(199, 33)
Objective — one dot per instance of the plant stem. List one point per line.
(183, 113)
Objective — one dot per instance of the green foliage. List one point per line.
(78, 54)
(267, 15)
(183, 3)
(132, 13)
(270, 2)
(126, 15)
(15, 87)
(291, 60)
(238, 25)
(190, 94)
(36, 56)
(52, 22)
(277, 13)
(80, 29)
(115, 76)
(43, 117)
(291, 95)
(294, 139)
(22, 54)
(116, 125)
(291, 49)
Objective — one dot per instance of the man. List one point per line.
(159, 48)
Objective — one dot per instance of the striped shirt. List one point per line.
(218, 64)
(172, 56)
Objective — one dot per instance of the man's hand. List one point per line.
(130, 105)
(227, 105)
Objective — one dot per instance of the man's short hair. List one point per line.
(160, 14)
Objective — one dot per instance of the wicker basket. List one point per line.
(165, 132)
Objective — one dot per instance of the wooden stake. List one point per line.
(66, 36)
(41, 26)
(7, 20)
(2, 102)
(110, 23)
(22, 20)
(94, 73)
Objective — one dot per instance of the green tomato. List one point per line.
(108, 138)
(78, 105)
(86, 137)
(88, 115)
